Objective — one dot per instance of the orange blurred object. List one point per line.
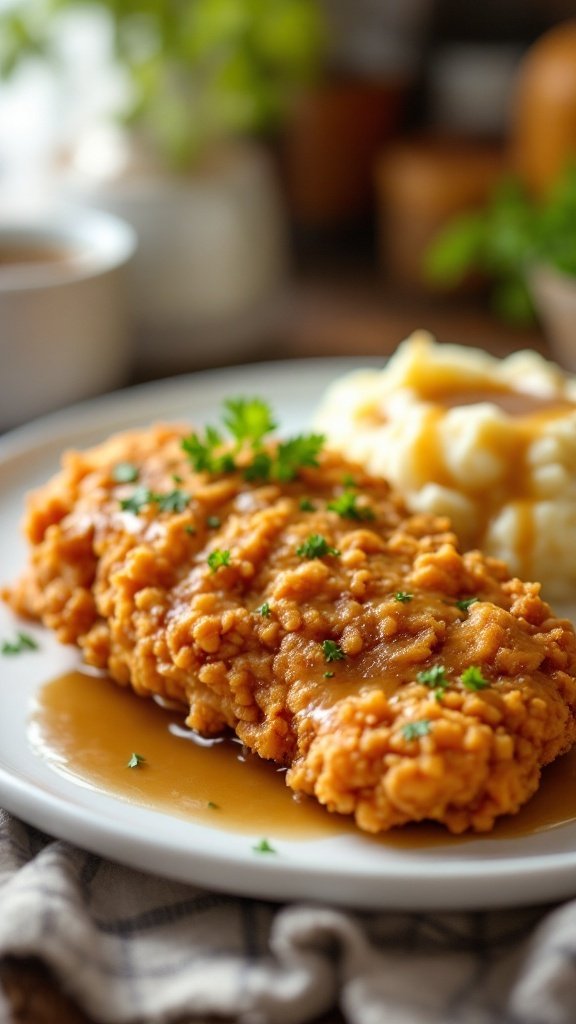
(421, 185)
(543, 134)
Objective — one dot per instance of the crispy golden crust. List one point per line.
(136, 593)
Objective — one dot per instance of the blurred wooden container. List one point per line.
(543, 133)
(330, 144)
(421, 185)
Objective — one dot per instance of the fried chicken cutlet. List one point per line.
(398, 679)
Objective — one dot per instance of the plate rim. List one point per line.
(270, 878)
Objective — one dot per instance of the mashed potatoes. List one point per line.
(491, 443)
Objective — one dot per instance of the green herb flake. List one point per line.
(464, 605)
(213, 522)
(433, 677)
(218, 558)
(264, 610)
(348, 481)
(177, 478)
(403, 596)
(296, 453)
(138, 500)
(264, 847)
(332, 651)
(473, 679)
(415, 730)
(173, 501)
(212, 806)
(329, 675)
(347, 507)
(125, 473)
(305, 505)
(189, 529)
(315, 546)
(135, 761)
(24, 642)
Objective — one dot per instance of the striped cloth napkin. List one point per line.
(132, 947)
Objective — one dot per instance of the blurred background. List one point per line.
(304, 177)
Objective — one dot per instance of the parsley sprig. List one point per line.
(218, 558)
(436, 678)
(249, 421)
(316, 546)
(332, 651)
(172, 501)
(347, 507)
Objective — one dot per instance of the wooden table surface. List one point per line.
(315, 319)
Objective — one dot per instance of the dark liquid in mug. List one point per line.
(14, 255)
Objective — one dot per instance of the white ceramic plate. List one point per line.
(348, 869)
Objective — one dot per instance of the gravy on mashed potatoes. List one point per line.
(489, 442)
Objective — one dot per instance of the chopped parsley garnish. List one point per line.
(125, 473)
(306, 505)
(177, 478)
(295, 454)
(218, 558)
(264, 610)
(135, 761)
(190, 529)
(213, 522)
(473, 679)
(332, 651)
(433, 677)
(315, 546)
(464, 605)
(172, 501)
(414, 730)
(202, 452)
(347, 507)
(139, 498)
(329, 675)
(264, 847)
(403, 596)
(248, 421)
(212, 806)
(24, 642)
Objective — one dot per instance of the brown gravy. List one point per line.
(87, 727)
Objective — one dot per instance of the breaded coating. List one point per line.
(398, 679)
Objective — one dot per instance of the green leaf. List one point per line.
(24, 642)
(125, 473)
(347, 507)
(315, 546)
(135, 761)
(248, 419)
(456, 251)
(296, 453)
(264, 847)
(415, 730)
(403, 596)
(218, 558)
(473, 679)
(332, 651)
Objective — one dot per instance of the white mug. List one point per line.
(64, 323)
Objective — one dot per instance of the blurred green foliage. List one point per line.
(199, 69)
(512, 234)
